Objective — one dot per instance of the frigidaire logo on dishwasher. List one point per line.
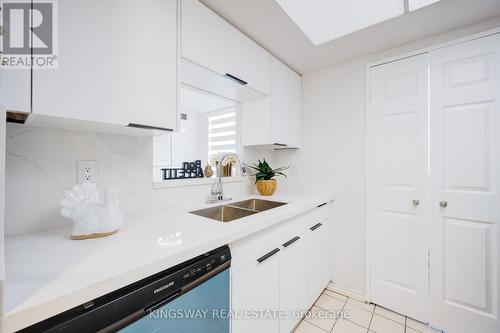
(168, 285)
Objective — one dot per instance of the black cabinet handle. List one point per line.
(268, 255)
(150, 127)
(316, 226)
(280, 144)
(236, 79)
(323, 204)
(291, 241)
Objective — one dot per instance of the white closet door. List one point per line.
(398, 136)
(465, 175)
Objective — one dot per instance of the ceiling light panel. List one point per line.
(324, 20)
(417, 4)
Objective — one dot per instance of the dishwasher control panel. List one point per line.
(201, 268)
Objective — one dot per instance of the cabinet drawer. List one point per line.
(319, 214)
(249, 249)
(295, 227)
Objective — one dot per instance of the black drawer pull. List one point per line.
(268, 255)
(291, 241)
(236, 79)
(316, 226)
(280, 144)
(323, 204)
(150, 127)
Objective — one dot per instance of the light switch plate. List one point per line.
(86, 172)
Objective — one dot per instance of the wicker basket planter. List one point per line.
(266, 187)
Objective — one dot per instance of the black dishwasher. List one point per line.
(188, 298)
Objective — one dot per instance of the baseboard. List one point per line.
(347, 292)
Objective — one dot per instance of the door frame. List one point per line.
(367, 145)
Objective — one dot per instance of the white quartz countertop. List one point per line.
(48, 273)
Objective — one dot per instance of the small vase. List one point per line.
(266, 187)
(208, 171)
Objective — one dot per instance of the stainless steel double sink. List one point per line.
(233, 211)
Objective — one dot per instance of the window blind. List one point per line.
(222, 132)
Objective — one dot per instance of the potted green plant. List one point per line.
(264, 176)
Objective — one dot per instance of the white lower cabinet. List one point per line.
(280, 272)
(320, 254)
(255, 288)
(294, 281)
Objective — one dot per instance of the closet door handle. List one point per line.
(268, 255)
(291, 241)
(316, 226)
(443, 204)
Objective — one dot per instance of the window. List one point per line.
(323, 21)
(222, 130)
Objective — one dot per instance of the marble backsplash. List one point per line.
(41, 165)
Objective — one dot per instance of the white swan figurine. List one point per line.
(91, 217)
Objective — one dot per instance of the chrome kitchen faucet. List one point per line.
(217, 190)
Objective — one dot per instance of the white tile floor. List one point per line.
(359, 317)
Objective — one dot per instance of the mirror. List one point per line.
(209, 126)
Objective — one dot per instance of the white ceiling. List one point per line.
(265, 22)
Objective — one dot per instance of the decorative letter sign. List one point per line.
(188, 170)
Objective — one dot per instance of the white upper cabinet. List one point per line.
(209, 41)
(117, 64)
(285, 104)
(275, 120)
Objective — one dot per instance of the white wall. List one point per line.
(333, 149)
(293, 159)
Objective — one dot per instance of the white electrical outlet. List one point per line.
(86, 172)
